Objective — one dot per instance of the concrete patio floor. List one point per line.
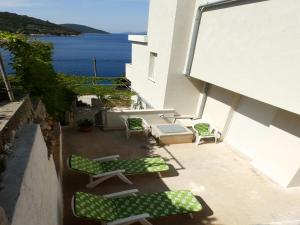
(230, 190)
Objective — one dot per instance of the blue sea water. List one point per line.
(74, 54)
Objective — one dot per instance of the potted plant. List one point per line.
(85, 125)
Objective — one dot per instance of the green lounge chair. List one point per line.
(136, 125)
(205, 131)
(101, 169)
(127, 207)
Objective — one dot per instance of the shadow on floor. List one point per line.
(99, 144)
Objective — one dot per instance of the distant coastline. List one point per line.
(14, 23)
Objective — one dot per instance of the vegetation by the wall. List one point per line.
(35, 75)
(32, 61)
(115, 93)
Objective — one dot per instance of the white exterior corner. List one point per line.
(138, 38)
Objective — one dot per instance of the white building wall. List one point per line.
(279, 153)
(160, 34)
(218, 106)
(269, 136)
(137, 73)
(249, 126)
(252, 49)
(182, 93)
(168, 88)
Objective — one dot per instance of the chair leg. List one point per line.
(145, 222)
(127, 134)
(124, 178)
(94, 183)
(146, 133)
(198, 140)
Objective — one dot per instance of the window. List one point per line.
(152, 62)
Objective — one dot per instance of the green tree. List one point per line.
(32, 61)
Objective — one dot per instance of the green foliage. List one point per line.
(15, 23)
(35, 75)
(16, 85)
(111, 95)
(92, 86)
(32, 61)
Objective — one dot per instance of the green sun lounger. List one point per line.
(127, 207)
(104, 168)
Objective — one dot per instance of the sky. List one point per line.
(114, 16)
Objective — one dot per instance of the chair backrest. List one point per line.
(85, 165)
(202, 127)
(94, 207)
(134, 122)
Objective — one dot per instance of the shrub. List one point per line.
(32, 61)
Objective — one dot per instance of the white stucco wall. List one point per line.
(40, 197)
(270, 137)
(160, 34)
(252, 49)
(169, 88)
(182, 93)
(249, 126)
(218, 105)
(267, 135)
(152, 92)
(279, 153)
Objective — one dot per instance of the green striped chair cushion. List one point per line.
(135, 124)
(144, 165)
(156, 205)
(203, 129)
(94, 207)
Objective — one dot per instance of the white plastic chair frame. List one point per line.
(142, 218)
(216, 135)
(145, 125)
(95, 180)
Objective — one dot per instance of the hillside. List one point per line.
(83, 29)
(15, 23)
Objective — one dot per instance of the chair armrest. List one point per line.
(144, 122)
(122, 193)
(124, 118)
(107, 158)
(129, 219)
(108, 173)
(218, 134)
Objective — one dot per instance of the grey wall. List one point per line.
(31, 193)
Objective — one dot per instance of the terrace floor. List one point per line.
(230, 190)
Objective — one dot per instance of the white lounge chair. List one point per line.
(136, 125)
(127, 207)
(104, 168)
(205, 131)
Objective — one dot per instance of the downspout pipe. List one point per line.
(204, 99)
(193, 41)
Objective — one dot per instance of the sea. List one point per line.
(74, 55)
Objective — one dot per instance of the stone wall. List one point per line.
(31, 192)
(13, 116)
